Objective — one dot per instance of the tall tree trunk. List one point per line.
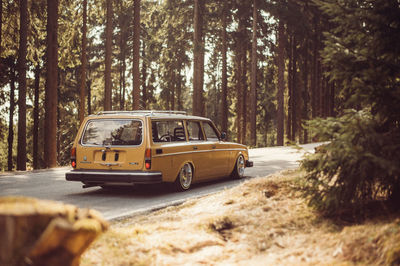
(51, 97)
(82, 83)
(332, 100)
(323, 102)
(294, 89)
(244, 93)
(122, 102)
(224, 81)
(144, 77)
(241, 61)
(173, 88)
(290, 90)
(120, 84)
(198, 58)
(11, 120)
(89, 92)
(122, 78)
(36, 119)
(314, 72)
(239, 89)
(136, 55)
(253, 92)
(179, 87)
(23, 32)
(238, 92)
(281, 83)
(1, 27)
(107, 73)
(122, 46)
(305, 89)
(319, 84)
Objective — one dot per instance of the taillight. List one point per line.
(147, 159)
(73, 157)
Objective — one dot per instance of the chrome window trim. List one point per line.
(201, 151)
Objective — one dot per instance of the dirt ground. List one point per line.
(264, 221)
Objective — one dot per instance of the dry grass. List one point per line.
(261, 222)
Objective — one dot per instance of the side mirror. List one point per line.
(223, 136)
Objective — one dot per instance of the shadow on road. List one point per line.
(149, 191)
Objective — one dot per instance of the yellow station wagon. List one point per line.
(145, 147)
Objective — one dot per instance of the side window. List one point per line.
(168, 131)
(210, 132)
(194, 131)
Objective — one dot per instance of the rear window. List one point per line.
(105, 132)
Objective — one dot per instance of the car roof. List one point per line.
(148, 113)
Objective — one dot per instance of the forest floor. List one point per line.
(263, 221)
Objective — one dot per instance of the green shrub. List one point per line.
(359, 164)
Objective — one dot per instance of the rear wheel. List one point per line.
(238, 171)
(185, 177)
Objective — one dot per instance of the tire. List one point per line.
(184, 178)
(238, 171)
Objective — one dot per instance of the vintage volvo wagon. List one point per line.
(145, 147)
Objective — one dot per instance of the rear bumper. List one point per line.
(96, 177)
(249, 164)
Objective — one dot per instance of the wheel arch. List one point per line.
(234, 160)
(180, 167)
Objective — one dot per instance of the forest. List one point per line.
(267, 72)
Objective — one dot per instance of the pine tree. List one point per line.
(360, 163)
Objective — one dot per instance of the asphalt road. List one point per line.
(51, 184)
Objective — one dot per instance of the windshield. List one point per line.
(106, 132)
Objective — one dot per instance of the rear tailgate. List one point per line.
(111, 144)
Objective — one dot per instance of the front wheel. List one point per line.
(185, 177)
(238, 171)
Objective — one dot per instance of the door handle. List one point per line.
(194, 147)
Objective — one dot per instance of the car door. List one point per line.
(200, 150)
(219, 155)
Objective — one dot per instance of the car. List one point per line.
(114, 148)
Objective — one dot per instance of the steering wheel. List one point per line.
(166, 137)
